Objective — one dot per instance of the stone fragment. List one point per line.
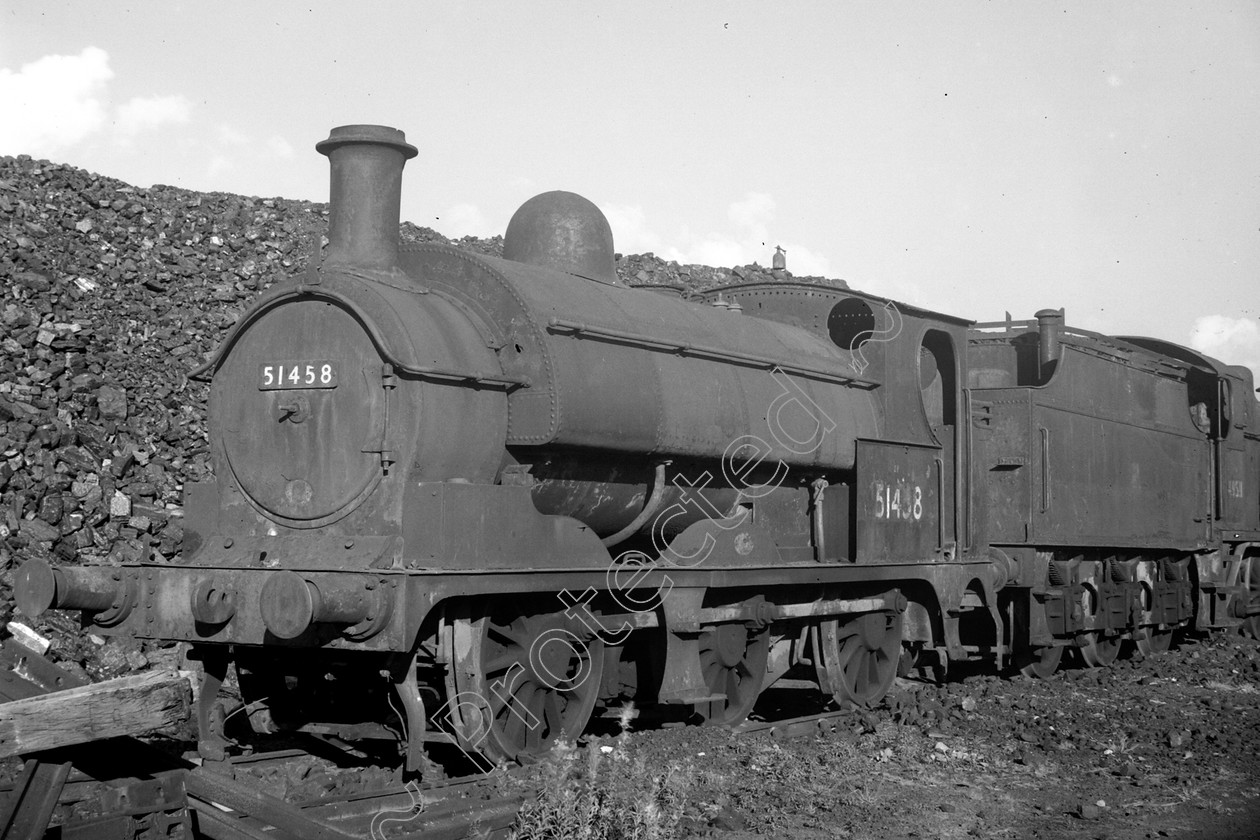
(38, 530)
(112, 402)
(119, 505)
(28, 638)
(84, 484)
(51, 508)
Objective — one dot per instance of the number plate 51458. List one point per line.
(287, 375)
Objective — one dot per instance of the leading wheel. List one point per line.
(1099, 651)
(1041, 662)
(860, 657)
(733, 661)
(517, 685)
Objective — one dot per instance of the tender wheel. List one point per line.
(909, 658)
(1100, 651)
(733, 661)
(1041, 662)
(860, 657)
(1251, 624)
(1151, 640)
(516, 686)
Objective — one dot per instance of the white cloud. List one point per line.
(219, 165)
(753, 213)
(523, 185)
(462, 220)
(631, 234)
(1235, 341)
(230, 136)
(229, 153)
(280, 147)
(749, 240)
(53, 103)
(148, 112)
(719, 251)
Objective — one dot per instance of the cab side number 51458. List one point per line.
(898, 500)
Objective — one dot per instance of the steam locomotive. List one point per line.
(487, 501)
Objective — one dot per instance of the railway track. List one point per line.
(222, 801)
(452, 808)
(125, 788)
(796, 727)
(244, 797)
(447, 808)
(407, 812)
(93, 794)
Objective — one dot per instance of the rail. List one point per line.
(144, 791)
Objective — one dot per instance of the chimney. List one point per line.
(1049, 323)
(365, 194)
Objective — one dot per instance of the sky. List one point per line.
(973, 158)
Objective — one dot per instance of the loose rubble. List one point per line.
(1162, 746)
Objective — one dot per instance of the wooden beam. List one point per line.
(136, 705)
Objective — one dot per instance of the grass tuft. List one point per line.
(607, 792)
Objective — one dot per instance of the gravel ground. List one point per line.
(1161, 746)
(1166, 746)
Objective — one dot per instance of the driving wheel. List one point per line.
(515, 686)
(859, 658)
(733, 662)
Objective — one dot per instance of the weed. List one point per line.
(861, 797)
(610, 793)
(1123, 746)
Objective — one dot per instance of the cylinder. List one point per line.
(365, 193)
